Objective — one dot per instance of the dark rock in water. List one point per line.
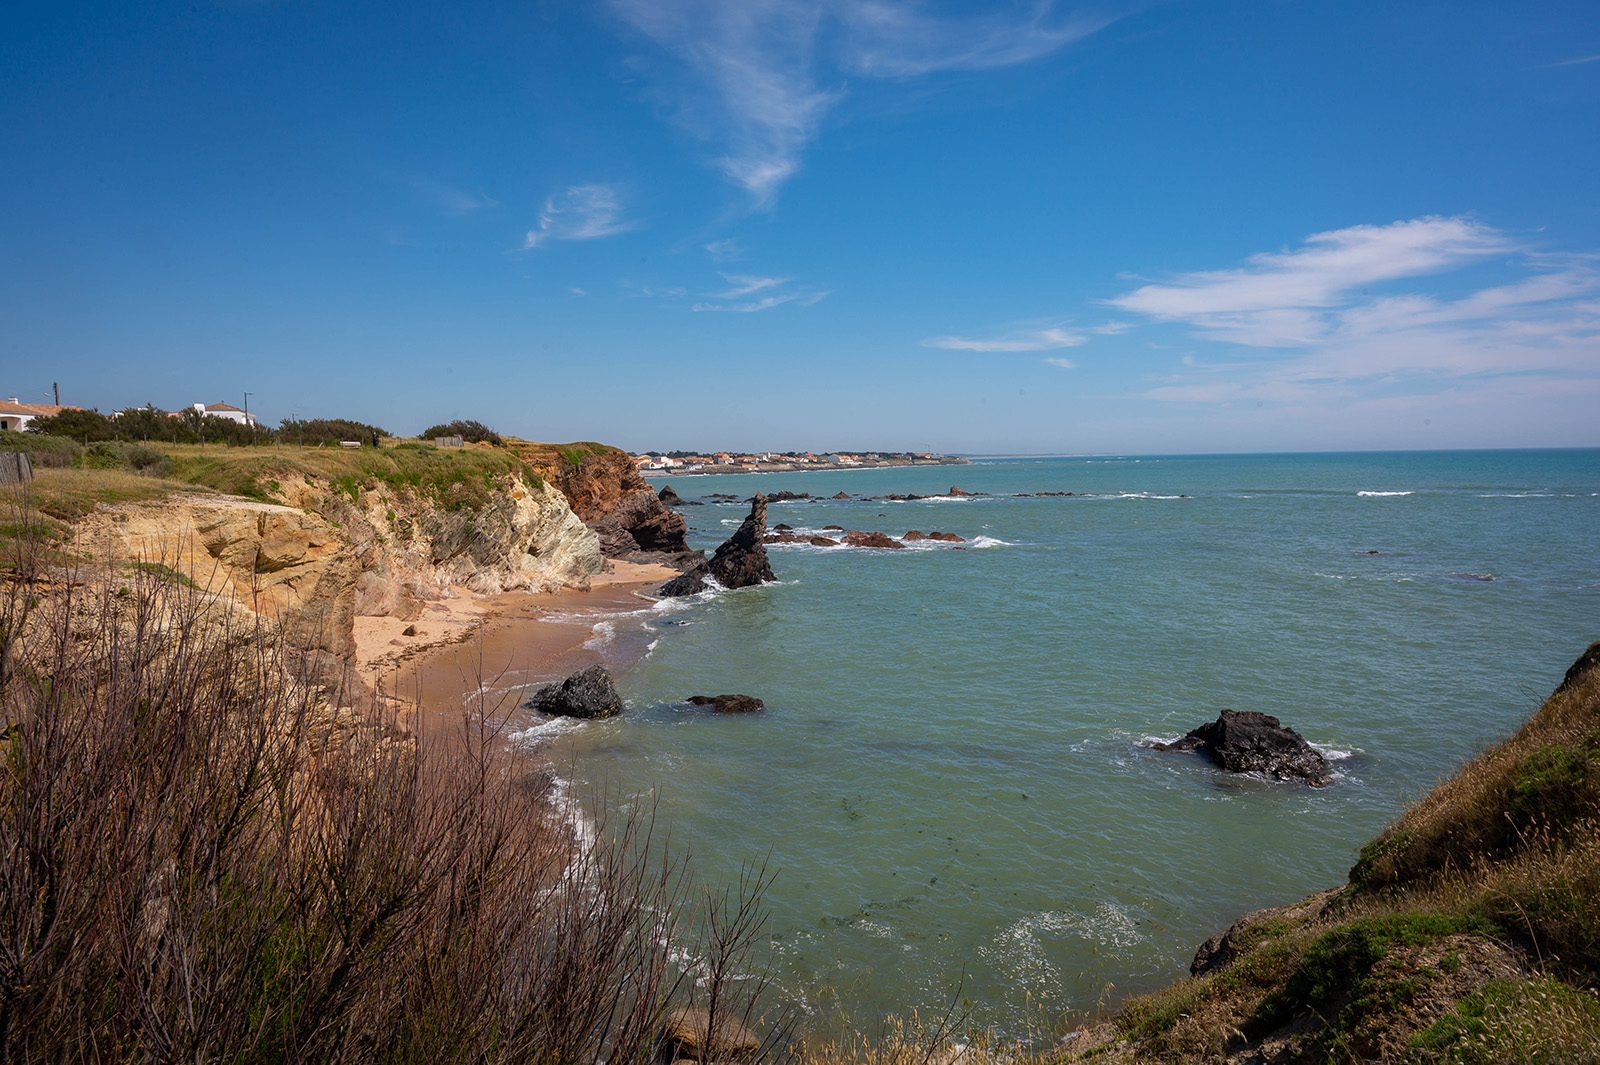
(728, 704)
(786, 496)
(822, 541)
(1252, 742)
(841, 495)
(912, 536)
(724, 496)
(781, 527)
(588, 693)
(690, 582)
(787, 536)
(1589, 660)
(669, 497)
(742, 559)
(872, 539)
(954, 491)
(837, 528)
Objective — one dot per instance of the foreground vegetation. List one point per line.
(206, 854)
(1469, 931)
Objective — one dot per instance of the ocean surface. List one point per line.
(948, 782)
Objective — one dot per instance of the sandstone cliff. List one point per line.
(413, 547)
(280, 562)
(606, 490)
(336, 548)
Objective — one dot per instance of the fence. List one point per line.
(448, 441)
(15, 467)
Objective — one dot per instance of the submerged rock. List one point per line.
(1249, 741)
(949, 538)
(728, 704)
(841, 495)
(589, 693)
(822, 541)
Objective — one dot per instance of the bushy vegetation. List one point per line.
(44, 451)
(472, 432)
(310, 432)
(206, 859)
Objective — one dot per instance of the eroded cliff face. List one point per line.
(279, 562)
(412, 548)
(606, 490)
(335, 550)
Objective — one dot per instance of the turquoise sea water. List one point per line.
(948, 781)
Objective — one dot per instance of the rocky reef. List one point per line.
(739, 562)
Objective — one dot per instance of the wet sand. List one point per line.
(472, 657)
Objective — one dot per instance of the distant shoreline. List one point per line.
(790, 467)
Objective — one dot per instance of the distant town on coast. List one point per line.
(686, 462)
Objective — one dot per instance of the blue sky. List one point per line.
(1007, 227)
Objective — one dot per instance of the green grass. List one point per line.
(1515, 1021)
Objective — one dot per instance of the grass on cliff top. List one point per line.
(452, 477)
(1470, 930)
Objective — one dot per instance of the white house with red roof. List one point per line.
(226, 410)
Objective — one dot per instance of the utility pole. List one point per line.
(56, 386)
(248, 424)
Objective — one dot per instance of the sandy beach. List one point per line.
(475, 652)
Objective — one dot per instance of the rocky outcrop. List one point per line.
(412, 548)
(690, 1035)
(742, 559)
(873, 539)
(728, 704)
(1252, 742)
(608, 493)
(589, 693)
(669, 497)
(287, 566)
(914, 536)
(740, 562)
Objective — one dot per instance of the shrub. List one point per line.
(313, 431)
(43, 450)
(118, 455)
(85, 425)
(470, 431)
(205, 860)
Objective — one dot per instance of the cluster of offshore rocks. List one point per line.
(1247, 741)
(592, 694)
(785, 534)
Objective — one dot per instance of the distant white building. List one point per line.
(225, 410)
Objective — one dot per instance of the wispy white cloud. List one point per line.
(745, 285)
(758, 77)
(1315, 324)
(727, 250)
(582, 212)
(1048, 339)
(1575, 62)
(1065, 364)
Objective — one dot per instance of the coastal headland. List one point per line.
(448, 579)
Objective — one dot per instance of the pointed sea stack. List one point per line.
(740, 562)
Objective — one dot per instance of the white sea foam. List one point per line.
(990, 541)
(1365, 492)
(545, 730)
(1332, 754)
